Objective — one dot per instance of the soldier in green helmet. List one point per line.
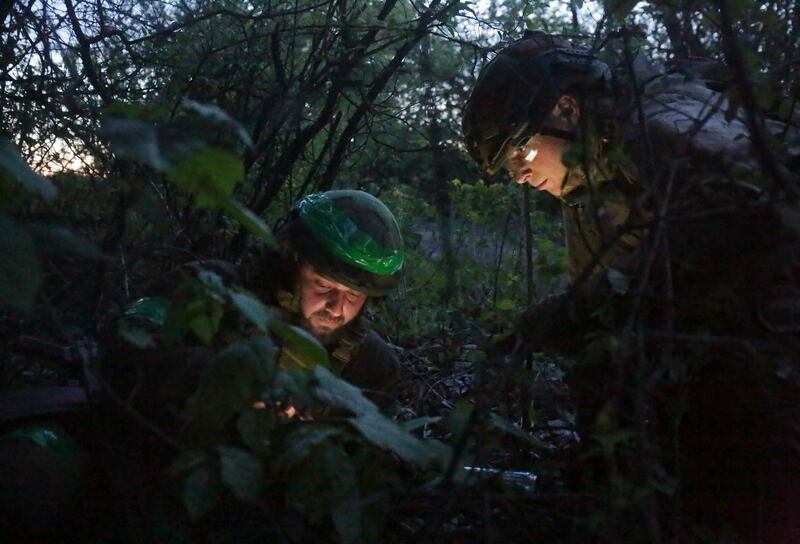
(337, 249)
(682, 239)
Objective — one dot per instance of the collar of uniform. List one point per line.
(610, 167)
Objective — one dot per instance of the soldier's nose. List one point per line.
(335, 304)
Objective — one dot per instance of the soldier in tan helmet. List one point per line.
(683, 243)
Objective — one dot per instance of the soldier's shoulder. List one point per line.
(367, 357)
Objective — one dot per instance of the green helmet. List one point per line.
(349, 236)
(517, 91)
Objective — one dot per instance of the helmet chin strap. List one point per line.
(558, 133)
(560, 124)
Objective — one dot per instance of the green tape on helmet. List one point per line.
(340, 236)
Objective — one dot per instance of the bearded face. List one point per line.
(326, 305)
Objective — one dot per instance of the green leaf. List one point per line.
(235, 380)
(152, 310)
(416, 423)
(299, 348)
(13, 167)
(251, 222)
(300, 444)
(62, 241)
(337, 392)
(200, 493)
(134, 140)
(217, 115)
(251, 308)
(457, 419)
(135, 335)
(254, 428)
(321, 478)
(345, 505)
(242, 473)
(506, 304)
(20, 270)
(187, 461)
(204, 317)
(388, 435)
(214, 285)
(210, 174)
(515, 431)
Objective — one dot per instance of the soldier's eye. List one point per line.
(531, 154)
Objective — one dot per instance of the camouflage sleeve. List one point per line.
(558, 323)
(375, 369)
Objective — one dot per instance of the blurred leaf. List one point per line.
(135, 335)
(456, 420)
(416, 423)
(214, 285)
(301, 442)
(236, 379)
(152, 310)
(210, 174)
(337, 392)
(515, 431)
(251, 222)
(200, 493)
(295, 383)
(545, 246)
(254, 427)
(59, 240)
(216, 114)
(251, 308)
(203, 317)
(506, 304)
(20, 270)
(345, 506)
(320, 478)
(388, 435)
(298, 345)
(134, 140)
(242, 473)
(186, 461)
(13, 167)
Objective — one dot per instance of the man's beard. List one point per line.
(327, 329)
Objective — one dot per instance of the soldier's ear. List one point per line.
(567, 108)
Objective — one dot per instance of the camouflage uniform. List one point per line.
(695, 333)
(696, 144)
